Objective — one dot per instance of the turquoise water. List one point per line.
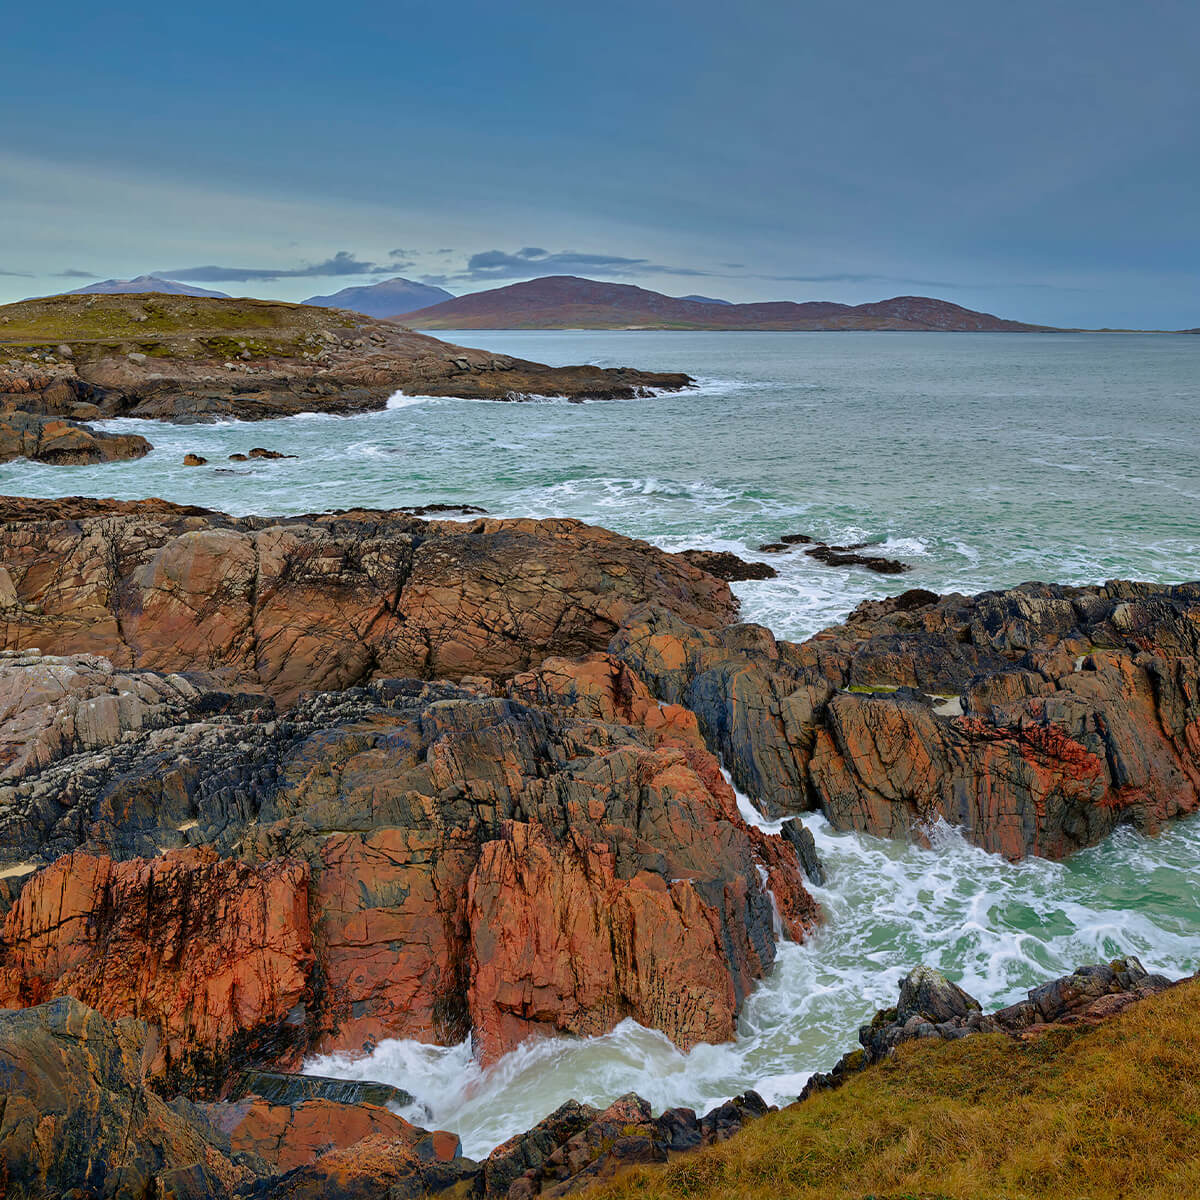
(982, 460)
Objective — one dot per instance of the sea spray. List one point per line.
(996, 927)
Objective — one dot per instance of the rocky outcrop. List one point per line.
(408, 860)
(325, 602)
(728, 566)
(185, 358)
(1036, 720)
(930, 1006)
(47, 439)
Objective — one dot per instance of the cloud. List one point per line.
(73, 273)
(342, 263)
(534, 260)
(17, 274)
(848, 277)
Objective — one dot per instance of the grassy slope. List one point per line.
(1110, 1111)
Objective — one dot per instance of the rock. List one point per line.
(773, 548)
(65, 351)
(239, 458)
(427, 510)
(328, 601)
(259, 452)
(52, 440)
(847, 556)
(77, 1118)
(576, 1146)
(797, 539)
(1037, 720)
(727, 566)
(215, 954)
(194, 460)
(283, 1087)
(413, 860)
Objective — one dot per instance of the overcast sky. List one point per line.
(1037, 160)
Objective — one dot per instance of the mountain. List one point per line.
(144, 283)
(707, 300)
(567, 302)
(383, 299)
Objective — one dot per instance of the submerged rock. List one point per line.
(727, 566)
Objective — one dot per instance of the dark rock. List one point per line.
(194, 460)
(773, 548)
(282, 1087)
(727, 566)
(1036, 719)
(259, 452)
(797, 539)
(848, 556)
(239, 458)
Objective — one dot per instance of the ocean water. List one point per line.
(981, 460)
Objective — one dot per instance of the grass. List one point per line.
(187, 326)
(1111, 1111)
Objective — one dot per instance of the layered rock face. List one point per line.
(1037, 719)
(51, 440)
(408, 859)
(325, 602)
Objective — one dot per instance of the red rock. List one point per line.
(214, 954)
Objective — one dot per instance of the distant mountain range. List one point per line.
(567, 302)
(145, 283)
(383, 299)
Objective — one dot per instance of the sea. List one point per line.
(980, 460)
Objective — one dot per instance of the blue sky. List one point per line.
(1040, 160)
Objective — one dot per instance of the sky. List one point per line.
(1036, 160)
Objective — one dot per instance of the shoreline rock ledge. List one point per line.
(193, 358)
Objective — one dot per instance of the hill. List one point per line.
(143, 284)
(188, 358)
(568, 302)
(383, 299)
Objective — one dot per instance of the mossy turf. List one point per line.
(1079, 1113)
(168, 326)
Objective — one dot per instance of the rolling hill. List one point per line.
(142, 285)
(568, 302)
(383, 299)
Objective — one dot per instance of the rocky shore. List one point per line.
(190, 358)
(278, 786)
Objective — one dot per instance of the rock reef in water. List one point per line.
(192, 358)
(64, 443)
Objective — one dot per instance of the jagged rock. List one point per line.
(414, 860)
(848, 556)
(726, 565)
(49, 439)
(261, 452)
(1037, 720)
(321, 603)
